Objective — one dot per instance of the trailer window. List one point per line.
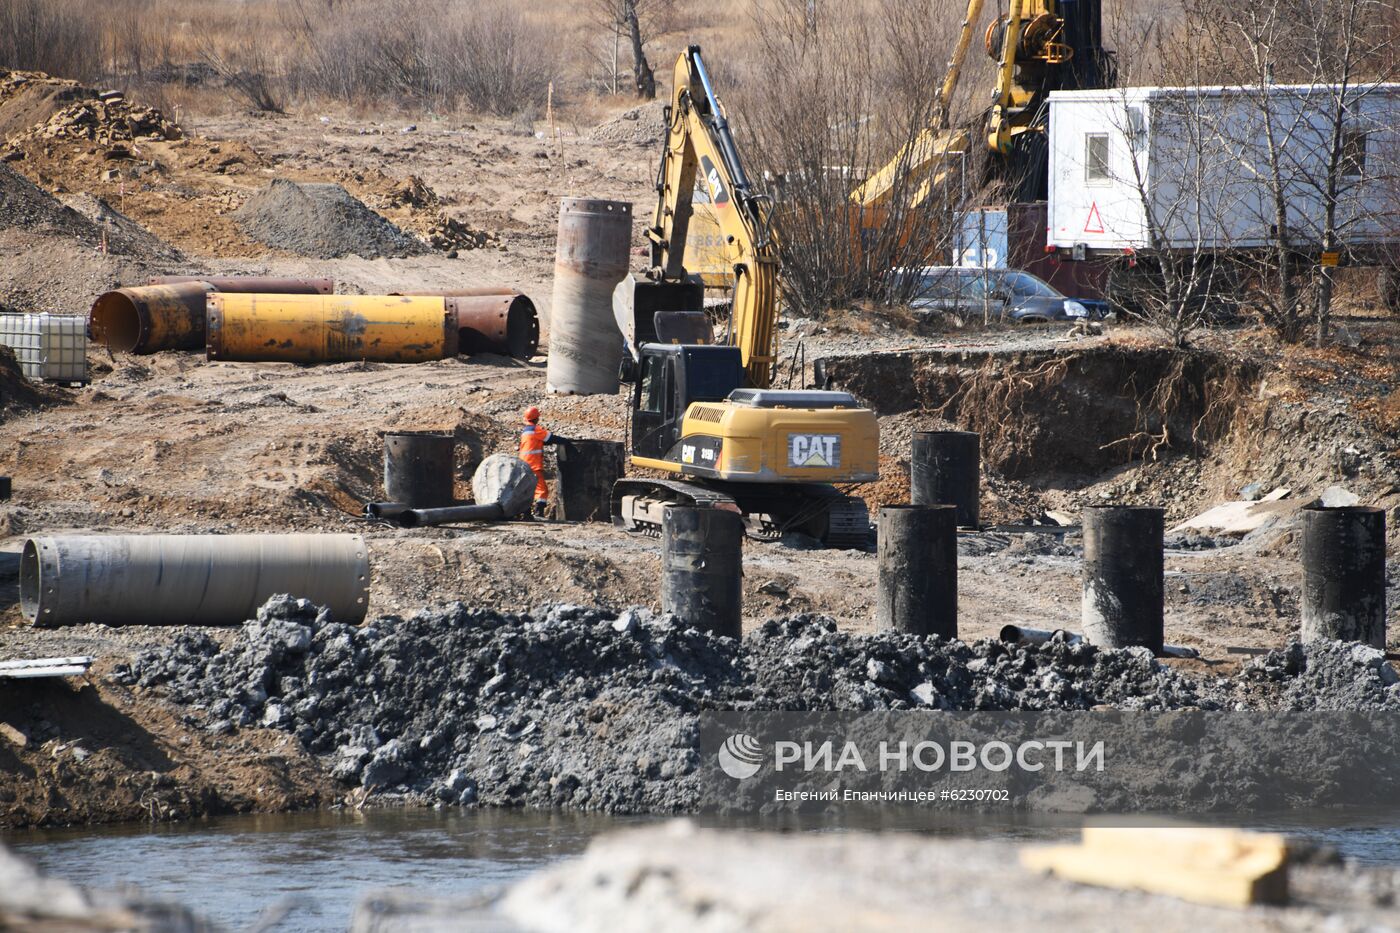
(1095, 157)
(1353, 155)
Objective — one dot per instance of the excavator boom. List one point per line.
(699, 140)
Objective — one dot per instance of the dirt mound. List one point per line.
(640, 126)
(64, 110)
(129, 236)
(30, 98)
(18, 394)
(321, 221)
(24, 206)
(53, 258)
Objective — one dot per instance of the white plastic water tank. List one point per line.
(49, 347)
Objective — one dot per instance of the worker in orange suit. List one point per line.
(533, 439)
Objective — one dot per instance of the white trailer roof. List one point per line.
(1214, 90)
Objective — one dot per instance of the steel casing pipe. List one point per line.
(587, 471)
(329, 328)
(254, 284)
(150, 318)
(1122, 600)
(702, 568)
(918, 570)
(945, 469)
(418, 468)
(591, 257)
(188, 579)
(1343, 553)
(506, 324)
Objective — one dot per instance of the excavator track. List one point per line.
(823, 512)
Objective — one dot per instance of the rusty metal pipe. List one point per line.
(253, 284)
(148, 318)
(329, 328)
(505, 324)
(462, 292)
(188, 579)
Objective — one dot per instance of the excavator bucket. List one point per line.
(637, 301)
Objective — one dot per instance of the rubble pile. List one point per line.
(587, 709)
(108, 119)
(448, 233)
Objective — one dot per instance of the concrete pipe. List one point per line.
(150, 318)
(587, 472)
(702, 568)
(329, 328)
(506, 324)
(418, 468)
(945, 470)
(917, 592)
(591, 256)
(253, 284)
(1123, 576)
(1343, 551)
(188, 579)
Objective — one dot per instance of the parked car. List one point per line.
(1004, 294)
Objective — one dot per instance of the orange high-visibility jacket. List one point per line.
(532, 441)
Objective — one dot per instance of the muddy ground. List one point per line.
(172, 443)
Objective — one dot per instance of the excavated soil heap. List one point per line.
(321, 221)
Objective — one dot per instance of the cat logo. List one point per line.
(814, 450)
(719, 195)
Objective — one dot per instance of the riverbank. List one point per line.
(571, 708)
(517, 873)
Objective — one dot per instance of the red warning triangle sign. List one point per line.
(1095, 223)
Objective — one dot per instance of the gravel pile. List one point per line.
(322, 221)
(641, 126)
(586, 709)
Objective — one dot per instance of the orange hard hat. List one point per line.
(532, 414)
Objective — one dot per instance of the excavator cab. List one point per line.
(670, 377)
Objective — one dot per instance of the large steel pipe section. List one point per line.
(329, 328)
(253, 284)
(1343, 552)
(1122, 599)
(591, 256)
(946, 470)
(506, 324)
(702, 568)
(150, 318)
(587, 472)
(418, 468)
(188, 579)
(918, 570)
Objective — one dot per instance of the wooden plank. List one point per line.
(29, 668)
(1223, 867)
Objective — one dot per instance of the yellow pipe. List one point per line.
(330, 328)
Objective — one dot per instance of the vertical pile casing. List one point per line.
(188, 579)
(591, 256)
(330, 328)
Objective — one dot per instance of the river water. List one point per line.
(308, 870)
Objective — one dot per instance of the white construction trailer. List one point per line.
(1190, 169)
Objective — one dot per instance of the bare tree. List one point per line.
(841, 89)
(1320, 143)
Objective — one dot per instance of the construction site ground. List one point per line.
(172, 443)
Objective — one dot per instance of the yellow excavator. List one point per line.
(703, 412)
(1039, 46)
